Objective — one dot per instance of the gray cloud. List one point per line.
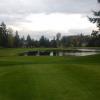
(15, 11)
(18, 9)
(47, 6)
(71, 6)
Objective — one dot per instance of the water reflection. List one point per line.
(79, 52)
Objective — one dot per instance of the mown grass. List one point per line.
(48, 78)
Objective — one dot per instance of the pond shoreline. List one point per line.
(72, 52)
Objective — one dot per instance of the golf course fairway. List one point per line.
(48, 78)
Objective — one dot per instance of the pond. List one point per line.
(78, 52)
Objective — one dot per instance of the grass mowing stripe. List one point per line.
(48, 82)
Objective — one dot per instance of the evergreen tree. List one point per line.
(16, 40)
(3, 35)
(53, 43)
(42, 41)
(98, 1)
(0, 36)
(22, 42)
(95, 36)
(96, 19)
(10, 38)
(29, 41)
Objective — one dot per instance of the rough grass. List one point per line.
(49, 78)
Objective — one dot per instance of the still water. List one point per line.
(78, 52)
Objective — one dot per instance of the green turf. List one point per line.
(48, 78)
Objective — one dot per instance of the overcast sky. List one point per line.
(47, 17)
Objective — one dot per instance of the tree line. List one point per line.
(9, 40)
